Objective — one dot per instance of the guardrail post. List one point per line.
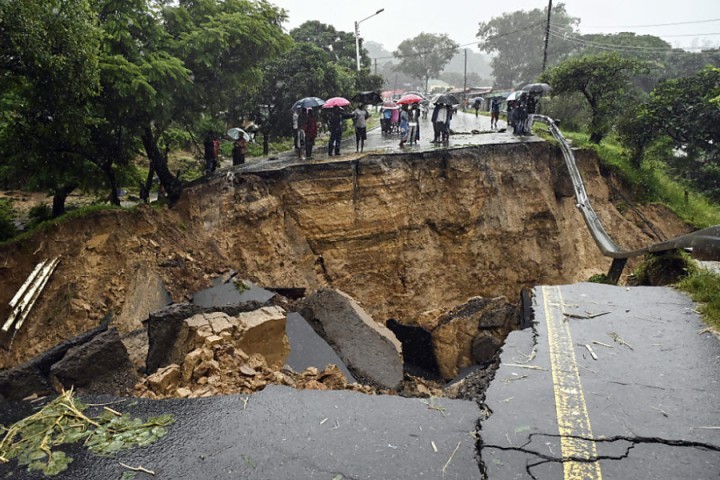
(616, 269)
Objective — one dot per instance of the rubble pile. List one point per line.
(216, 353)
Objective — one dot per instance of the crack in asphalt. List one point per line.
(633, 441)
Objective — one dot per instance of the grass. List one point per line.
(704, 288)
(651, 183)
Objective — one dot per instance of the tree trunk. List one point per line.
(266, 143)
(158, 163)
(110, 174)
(147, 186)
(61, 194)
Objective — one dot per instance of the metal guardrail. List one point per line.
(708, 238)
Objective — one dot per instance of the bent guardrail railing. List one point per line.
(705, 238)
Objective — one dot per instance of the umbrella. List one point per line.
(409, 98)
(446, 99)
(336, 102)
(235, 133)
(390, 105)
(371, 98)
(539, 88)
(477, 100)
(514, 96)
(308, 102)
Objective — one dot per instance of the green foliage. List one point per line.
(339, 46)
(39, 213)
(425, 56)
(570, 110)
(516, 42)
(685, 111)
(7, 225)
(600, 278)
(604, 81)
(664, 268)
(33, 440)
(704, 287)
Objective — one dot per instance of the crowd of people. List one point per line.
(519, 111)
(403, 120)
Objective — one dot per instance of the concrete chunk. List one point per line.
(371, 351)
(263, 331)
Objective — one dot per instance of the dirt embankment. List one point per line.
(402, 234)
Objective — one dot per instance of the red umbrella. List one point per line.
(409, 98)
(336, 102)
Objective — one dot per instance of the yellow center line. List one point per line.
(572, 414)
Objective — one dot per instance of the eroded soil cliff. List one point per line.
(402, 234)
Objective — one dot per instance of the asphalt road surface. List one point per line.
(611, 382)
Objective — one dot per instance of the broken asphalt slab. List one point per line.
(282, 433)
(648, 407)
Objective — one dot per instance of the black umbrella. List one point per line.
(446, 99)
(368, 98)
(308, 102)
(539, 88)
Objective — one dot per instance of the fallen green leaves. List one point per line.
(32, 440)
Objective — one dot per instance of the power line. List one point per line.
(494, 37)
(656, 25)
(608, 46)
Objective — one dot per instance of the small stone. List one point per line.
(247, 371)
(165, 379)
(213, 340)
(183, 392)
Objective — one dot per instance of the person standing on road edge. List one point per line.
(335, 125)
(310, 130)
(438, 120)
(494, 112)
(404, 125)
(446, 128)
(300, 140)
(209, 147)
(360, 116)
(216, 151)
(239, 150)
(414, 117)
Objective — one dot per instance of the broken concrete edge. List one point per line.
(528, 310)
(164, 326)
(371, 351)
(35, 376)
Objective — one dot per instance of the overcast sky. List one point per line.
(403, 19)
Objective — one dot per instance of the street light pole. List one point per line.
(357, 36)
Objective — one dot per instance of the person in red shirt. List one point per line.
(311, 129)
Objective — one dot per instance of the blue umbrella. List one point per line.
(308, 102)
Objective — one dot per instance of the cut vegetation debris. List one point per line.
(33, 439)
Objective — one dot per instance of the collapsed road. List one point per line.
(411, 236)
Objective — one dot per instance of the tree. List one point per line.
(516, 42)
(604, 81)
(303, 72)
(339, 45)
(424, 56)
(48, 77)
(687, 111)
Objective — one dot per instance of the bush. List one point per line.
(665, 268)
(7, 224)
(39, 213)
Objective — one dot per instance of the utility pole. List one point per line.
(547, 35)
(376, 66)
(465, 83)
